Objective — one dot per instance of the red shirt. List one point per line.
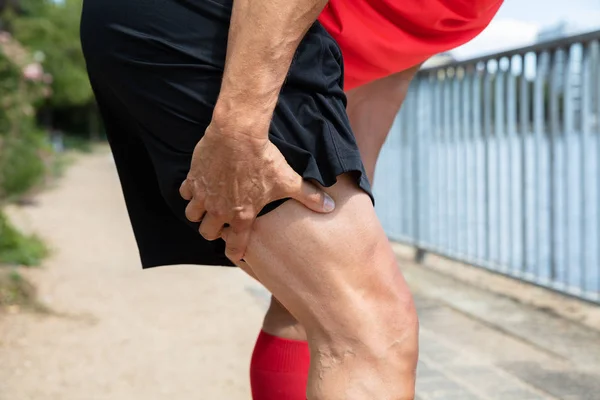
(382, 37)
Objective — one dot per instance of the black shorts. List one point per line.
(156, 69)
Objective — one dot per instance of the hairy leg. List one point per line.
(338, 277)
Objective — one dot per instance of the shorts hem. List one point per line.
(155, 262)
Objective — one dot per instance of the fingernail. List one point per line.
(328, 203)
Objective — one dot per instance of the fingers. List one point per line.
(186, 191)
(312, 196)
(237, 237)
(195, 210)
(211, 227)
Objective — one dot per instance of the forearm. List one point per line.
(263, 37)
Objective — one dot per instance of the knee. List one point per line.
(281, 323)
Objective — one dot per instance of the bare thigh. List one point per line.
(337, 275)
(298, 254)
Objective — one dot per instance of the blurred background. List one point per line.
(488, 185)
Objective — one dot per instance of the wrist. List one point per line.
(242, 110)
(256, 91)
(235, 119)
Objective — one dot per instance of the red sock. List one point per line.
(279, 368)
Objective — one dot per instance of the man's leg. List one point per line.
(371, 109)
(281, 358)
(338, 276)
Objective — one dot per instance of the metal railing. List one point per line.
(496, 162)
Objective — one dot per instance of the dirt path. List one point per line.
(118, 332)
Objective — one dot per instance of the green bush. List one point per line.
(21, 165)
(17, 248)
(23, 152)
(52, 28)
(23, 84)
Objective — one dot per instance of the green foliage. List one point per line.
(52, 29)
(21, 165)
(23, 153)
(19, 249)
(21, 145)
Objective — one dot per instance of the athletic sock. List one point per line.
(279, 368)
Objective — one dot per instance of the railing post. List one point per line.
(419, 87)
(525, 129)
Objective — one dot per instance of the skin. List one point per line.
(333, 269)
(371, 109)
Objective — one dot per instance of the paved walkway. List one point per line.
(119, 333)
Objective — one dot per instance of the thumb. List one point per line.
(313, 197)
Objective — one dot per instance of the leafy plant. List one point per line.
(17, 248)
(51, 30)
(23, 83)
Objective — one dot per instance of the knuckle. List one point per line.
(218, 212)
(294, 184)
(214, 208)
(243, 218)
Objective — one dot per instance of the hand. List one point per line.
(233, 175)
